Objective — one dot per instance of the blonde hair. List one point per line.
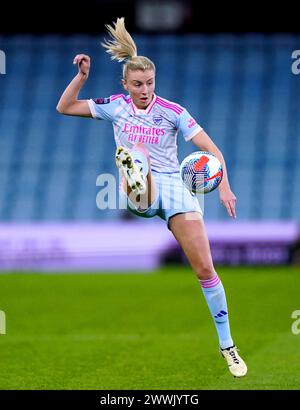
(122, 47)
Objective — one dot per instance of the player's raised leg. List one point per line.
(138, 182)
(190, 232)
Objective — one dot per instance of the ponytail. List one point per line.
(122, 47)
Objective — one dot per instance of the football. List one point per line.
(201, 172)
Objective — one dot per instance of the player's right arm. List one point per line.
(69, 103)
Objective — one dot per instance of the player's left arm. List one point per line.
(227, 197)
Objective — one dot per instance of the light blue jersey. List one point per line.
(157, 126)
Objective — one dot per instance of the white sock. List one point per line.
(214, 294)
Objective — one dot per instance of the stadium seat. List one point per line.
(239, 88)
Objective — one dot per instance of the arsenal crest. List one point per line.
(157, 119)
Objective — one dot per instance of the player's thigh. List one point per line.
(189, 230)
(143, 201)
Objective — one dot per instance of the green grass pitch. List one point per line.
(146, 331)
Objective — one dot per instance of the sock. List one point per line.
(215, 297)
(140, 159)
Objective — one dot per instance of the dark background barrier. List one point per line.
(182, 16)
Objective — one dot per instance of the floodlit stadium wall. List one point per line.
(138, 246)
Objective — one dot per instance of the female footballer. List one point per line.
(145, 129)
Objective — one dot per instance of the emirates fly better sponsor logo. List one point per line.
(138, 133)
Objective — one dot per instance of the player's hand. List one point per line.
(83, 62)
(228, 199)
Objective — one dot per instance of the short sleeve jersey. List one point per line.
(156, 127)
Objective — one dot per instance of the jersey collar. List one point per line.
(137, 111)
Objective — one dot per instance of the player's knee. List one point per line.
(139, 146)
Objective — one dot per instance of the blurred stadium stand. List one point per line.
(239, 87)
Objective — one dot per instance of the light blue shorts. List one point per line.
(172, 198)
